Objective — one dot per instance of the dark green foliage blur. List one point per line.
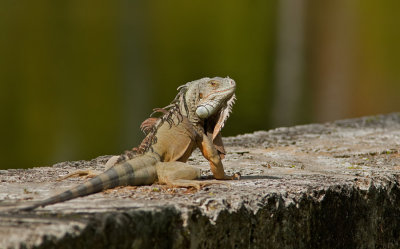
(78, 77)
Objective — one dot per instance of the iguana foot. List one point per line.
(184, 184)
(79, 173)
(210, 182)
(91, 173)
(112, 161)
(235, 176)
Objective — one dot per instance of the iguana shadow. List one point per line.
(258, 177)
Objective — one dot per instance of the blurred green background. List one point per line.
(78, 77)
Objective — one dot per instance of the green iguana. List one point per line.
(193, 119)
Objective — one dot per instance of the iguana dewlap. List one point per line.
(193, 120)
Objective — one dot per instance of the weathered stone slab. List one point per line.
(333, 185)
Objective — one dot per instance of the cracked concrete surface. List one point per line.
(333, 185)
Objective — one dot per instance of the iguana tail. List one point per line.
(140, 170)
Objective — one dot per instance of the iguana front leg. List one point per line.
(211, 154)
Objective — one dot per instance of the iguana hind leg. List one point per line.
(86, 173)
(90, 173)
(178, 174)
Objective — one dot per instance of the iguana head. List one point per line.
(209, 101)
(206, 103)
(213, 95)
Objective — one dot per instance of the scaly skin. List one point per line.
(194, 119)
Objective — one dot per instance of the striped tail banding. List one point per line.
(138, 171)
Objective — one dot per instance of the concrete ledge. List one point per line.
(333, 185)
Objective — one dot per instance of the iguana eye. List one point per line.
(200, 95)
(213, 83)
